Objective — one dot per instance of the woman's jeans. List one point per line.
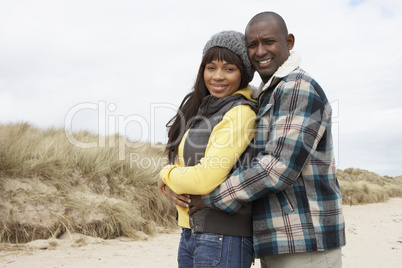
(212, 250)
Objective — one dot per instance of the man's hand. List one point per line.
(181, 200)
(196, 204)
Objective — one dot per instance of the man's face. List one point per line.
(268, 47)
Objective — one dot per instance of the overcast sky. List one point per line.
(124, 66)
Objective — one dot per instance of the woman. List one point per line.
(207, 136)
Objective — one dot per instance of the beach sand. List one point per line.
(373, 235)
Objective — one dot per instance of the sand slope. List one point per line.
(374, 239)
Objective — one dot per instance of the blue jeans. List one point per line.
(198, 250)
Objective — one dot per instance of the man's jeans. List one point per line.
(211, 250)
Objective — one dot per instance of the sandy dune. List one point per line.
(374, 239)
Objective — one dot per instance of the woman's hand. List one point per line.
(161, 186)
(181, 200)
(196, 204)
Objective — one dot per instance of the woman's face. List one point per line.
(221, 78)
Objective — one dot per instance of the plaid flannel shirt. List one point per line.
(297, 203)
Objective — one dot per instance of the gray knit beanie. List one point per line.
(235, 42)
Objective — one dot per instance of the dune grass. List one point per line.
(49, 186)
(362, 187)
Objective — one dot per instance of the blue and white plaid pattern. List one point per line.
(297, 203)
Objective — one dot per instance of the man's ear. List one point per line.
(291, 41)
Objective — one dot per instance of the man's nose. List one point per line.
(260, 50)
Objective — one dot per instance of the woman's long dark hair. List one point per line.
(192, 101)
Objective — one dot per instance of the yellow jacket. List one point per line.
(228, 140)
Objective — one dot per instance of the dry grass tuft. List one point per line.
(49, 186)
(362, 187)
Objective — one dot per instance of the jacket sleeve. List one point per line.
(227, 142)
(288, 134)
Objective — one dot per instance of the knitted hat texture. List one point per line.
(235, 42)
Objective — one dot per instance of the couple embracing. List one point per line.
(252, 172)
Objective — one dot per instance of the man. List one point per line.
(297, 203)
